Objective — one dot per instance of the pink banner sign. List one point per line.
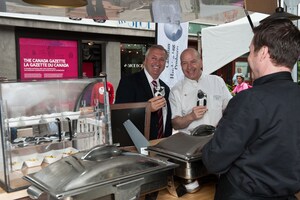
(48, 59)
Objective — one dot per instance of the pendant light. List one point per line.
(281, 14)
(58, 3)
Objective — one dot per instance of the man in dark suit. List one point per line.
(138, 87)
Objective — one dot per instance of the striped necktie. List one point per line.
(160, 126)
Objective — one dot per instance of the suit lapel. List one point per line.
(145, 84)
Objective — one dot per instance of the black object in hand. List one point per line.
(201, 98)
(159, 91)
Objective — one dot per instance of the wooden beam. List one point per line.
(261, 6)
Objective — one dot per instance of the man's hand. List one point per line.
(179, 122)
(157, 103)
(198, 112)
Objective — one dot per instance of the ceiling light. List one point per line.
(58, 3)
(281, 14)
(268, 7)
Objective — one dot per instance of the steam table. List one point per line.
(205, 193)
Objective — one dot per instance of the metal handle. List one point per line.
(59, 128)
(70, 128)
(98, 151)
(34, 193)
(129, 190)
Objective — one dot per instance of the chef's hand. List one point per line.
(198, 112)
(157, 103)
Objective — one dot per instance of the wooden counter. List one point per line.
(13, 195)
(205, 193)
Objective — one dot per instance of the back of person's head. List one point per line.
(282, 38)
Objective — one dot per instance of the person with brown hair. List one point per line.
(255, 148)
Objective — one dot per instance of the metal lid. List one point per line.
(181, 146)
(75, 174)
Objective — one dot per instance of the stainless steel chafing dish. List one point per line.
(185, 150)
(104, 172)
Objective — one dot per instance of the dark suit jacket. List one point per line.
(136, 88)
